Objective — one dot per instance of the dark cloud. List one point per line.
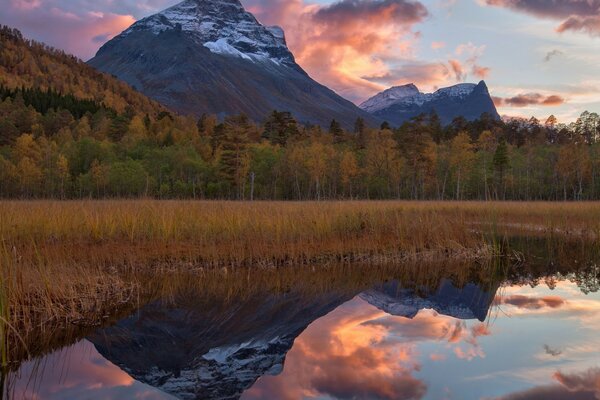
(524, 100)
(386, 11)
(103, 38)
(556, 9)
(577, 15)
(552, 352)
(552, 54)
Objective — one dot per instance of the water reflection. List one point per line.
(446, 339)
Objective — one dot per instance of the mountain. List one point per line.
(216, 348)
(211, 348)
(468, 302)
(32, 65)
(401, 103)
(212, 56)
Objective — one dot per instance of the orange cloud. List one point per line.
(359, 351)
(344, 42)
(458, 70)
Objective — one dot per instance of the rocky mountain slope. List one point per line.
(212, 56)
(401, 103)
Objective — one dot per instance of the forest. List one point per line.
(70, 132)
(80, 149)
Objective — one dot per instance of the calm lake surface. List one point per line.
(527, 336)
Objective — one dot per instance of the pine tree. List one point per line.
(335, 129)
(235, 160)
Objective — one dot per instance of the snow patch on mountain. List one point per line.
(223, 373)
(410, 95)
(222, 26)
(390, 96)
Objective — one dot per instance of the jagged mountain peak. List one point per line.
(223, 27)
(400, 103)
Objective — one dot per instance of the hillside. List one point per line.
(29, 64)
(214, 57)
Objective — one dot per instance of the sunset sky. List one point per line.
(538, 57)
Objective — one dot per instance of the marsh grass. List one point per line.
(71, 266)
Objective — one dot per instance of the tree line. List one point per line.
(58, 152)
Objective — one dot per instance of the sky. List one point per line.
(538, 57)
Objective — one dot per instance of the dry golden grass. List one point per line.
(65, 263)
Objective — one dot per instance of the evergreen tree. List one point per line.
(335, 129)
(280, 127)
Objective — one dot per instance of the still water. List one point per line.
(498, 338)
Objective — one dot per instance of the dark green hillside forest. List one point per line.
(67, 131)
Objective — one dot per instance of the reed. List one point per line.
(80, 263)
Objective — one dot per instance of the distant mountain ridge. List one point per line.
(401, 103)
(209, 56)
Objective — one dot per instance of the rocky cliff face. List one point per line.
(212, 56)
(401, 103)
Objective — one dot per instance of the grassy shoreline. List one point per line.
(79, 262)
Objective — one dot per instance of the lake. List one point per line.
(450, 332)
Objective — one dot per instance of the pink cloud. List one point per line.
(76, 33)
(341, 44)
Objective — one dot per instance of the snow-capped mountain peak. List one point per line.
(401, 103)
(460, 90)
(389, 97)
(223, 27)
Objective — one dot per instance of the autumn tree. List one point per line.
(349, 170)
(500, 165)
(461, 160)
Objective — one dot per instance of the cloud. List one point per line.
(340, 43)
(529, 99)
(79, 31)
(575, 386)
(557, 9)
(589, 25)
(480, 72)
(552, 352)
(533, 303)
(552, 54)
(345, 12)
(421, 74)
(577, 15)
(458, 70)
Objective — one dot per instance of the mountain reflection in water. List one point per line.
(474, 340)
